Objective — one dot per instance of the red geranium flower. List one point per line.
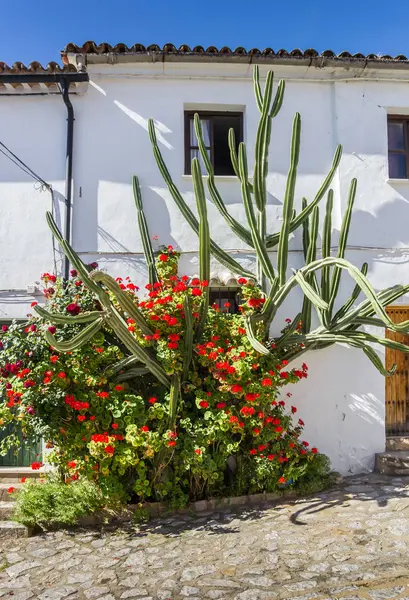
(171, 443)
(36, 465)
(197, 292)
(220, 405)
(236, 388)
(62, 375)
(282, 480)
(53, 358)
(163, 257)
(72, 464)
(109, 449)
(144, 428)
(293, 409)
(114, 425)
(203, 403)
(173, 345)
(152, 400)
(81, 418)
(266, 381)
(11, 490)
(73, 308)
(102, 394)
(314, 450)
(242, 281)
(119, 388)
(198, 451)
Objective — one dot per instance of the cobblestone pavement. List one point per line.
(350, 543)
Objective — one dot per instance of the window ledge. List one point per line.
(400, 180)
(216, 177)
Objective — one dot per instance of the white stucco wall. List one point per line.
(342, 402)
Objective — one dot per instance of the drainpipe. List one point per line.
(68, 170)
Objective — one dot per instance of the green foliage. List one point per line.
(55, 503)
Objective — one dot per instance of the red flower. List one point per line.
(227, 304)
(73, 273)
(72, 464)
(241, 331)
(92, 418)
(196, 292)
(236, 388)
(11, 490)
(171, 443)
(163, 257)
(266, 381)
(23, 479)
(29, 383)
(53, 358)
(256, 430)
(62, 375)
(203, 404)
(102, 394)
(36, 465)
(174, 337)
(152, 400)
(282, 480)
(234, 419)
(242, 281)
(173, 345)
(114, 425)
(99, 350)
(52, 329)
(301, 422)
(293, 409)
(109, 449)
(198, 451)
(270, 456)
(118, 388)
(144, 428)
(278, 429)
(305, 444)
(314, 450)
(81, 418)
(73, 308)
(33, 304)
(284, 375)
(253, 451)
(220, 405)
(252, 397)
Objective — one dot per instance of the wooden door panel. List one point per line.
(397, 385)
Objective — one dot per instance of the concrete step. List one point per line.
(11, 529)
(397, 443)
(6, 510)
(15, 474)
(394, 462)
(4, 494)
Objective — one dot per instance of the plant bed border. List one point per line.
(152, 510)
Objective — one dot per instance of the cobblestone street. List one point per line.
(348, 543)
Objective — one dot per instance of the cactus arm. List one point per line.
(204, 243)
(67, 319)
(278, 99)
(346, 222)
(310, 251)
(257, 345)
(257, 89)
(308, 290)
(144, 231)
(349, 303)
(79, 340)
(129, 361)
(72, 255)
(273, 239)
(120, 328)
(234, 225)
(132, 373)
(174, 399)
(282, 252)
(326, 252)
(187, 309)
(262, 255)
(283, 340)
(125, 302)
(217, 252)
(261, 147)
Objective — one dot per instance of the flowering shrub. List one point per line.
(234, 430)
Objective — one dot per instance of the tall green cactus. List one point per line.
(341, 326)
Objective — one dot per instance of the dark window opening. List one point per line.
(215, 131)
(398, 147)
(226, 295)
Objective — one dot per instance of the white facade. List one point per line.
(342, 402)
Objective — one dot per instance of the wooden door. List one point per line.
(397, 385)
(22, 457)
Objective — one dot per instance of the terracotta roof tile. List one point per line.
(35, 67)
(91, 47)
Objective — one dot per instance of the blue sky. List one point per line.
(39, 29)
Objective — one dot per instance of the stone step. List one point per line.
(11, 529)
(4, 494)
(6, 510)
(15, 474)
(394, 462)
(397, 443)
